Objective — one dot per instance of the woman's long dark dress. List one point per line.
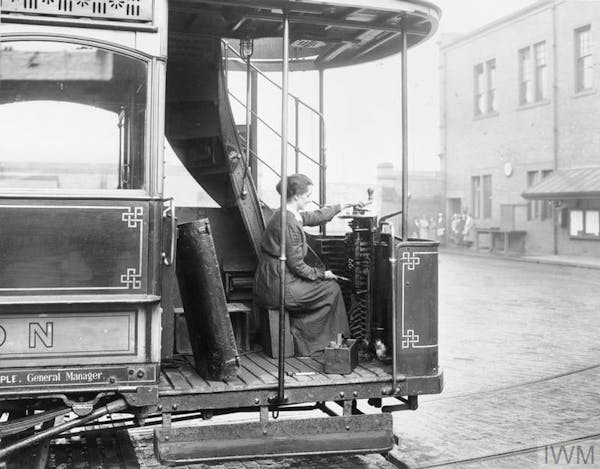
(316, 306)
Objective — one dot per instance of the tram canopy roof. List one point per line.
(577, 183)
(323, 34)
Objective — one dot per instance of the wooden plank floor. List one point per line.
(259, 371)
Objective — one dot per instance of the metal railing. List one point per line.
(228, 49)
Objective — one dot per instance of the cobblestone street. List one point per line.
(519, 348)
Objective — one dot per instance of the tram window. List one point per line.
(71, 117)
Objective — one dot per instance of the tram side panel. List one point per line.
(79, 307)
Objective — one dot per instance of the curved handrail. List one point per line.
(270, 80)
(261, 120)
(226, 56)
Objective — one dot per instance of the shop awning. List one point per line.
(579, 183)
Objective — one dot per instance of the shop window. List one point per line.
(584, 223)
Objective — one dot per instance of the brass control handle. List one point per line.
(170, 212)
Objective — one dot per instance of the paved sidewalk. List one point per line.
(563, 260)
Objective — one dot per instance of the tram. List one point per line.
(114, 301)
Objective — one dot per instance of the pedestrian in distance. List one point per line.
(423, 227)
(433, 227)
(469, 231)
(460, 229)
(454, 228)
(441, 229)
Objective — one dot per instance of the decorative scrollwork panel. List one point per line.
(128, 10)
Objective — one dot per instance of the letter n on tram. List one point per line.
(81, 207)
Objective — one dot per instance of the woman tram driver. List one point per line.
(312, 297)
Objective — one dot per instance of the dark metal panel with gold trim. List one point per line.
(50, 247)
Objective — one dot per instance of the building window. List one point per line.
(478, 77)
(487, 196)
(584, 67)
(476, 196)
(538, 209)
(533, 74)
(525, 84)
(484, 88)
(584, 223)
(481, 196)
(541, 71)
(491, 85)
(532, 205)
(546, 205)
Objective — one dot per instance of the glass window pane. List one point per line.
(585, 41)
(491, 85)
(592, 222)
(546, 211)
(540, 70)
(72, 117)
(525, 88)
(476, 196)
(588, 71)
(541, 80)
(487, 196)
(540, 53)
(583, 53)
(576, 222)
(478, 89)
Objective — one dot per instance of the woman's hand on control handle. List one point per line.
(358, 204)
(329, 275)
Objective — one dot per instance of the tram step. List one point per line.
(255, 440)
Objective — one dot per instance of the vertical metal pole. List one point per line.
(254, 126)
(283, 206)
(297, 139)
(404, 139)
(248, 109)
(322, 155)
(226, 57)
(555, 121)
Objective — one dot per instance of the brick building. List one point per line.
(520, 139)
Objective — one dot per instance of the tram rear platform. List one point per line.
(341, 428)
(305, 381)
